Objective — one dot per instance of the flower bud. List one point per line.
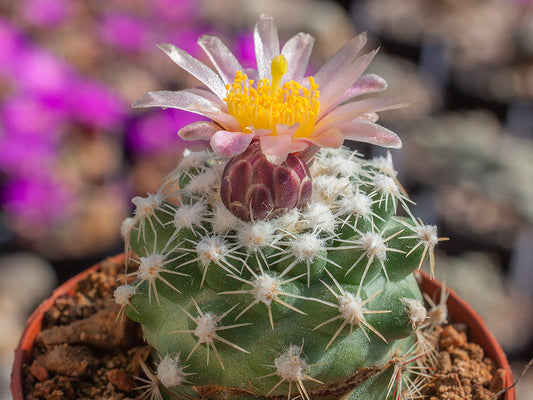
(254, 189)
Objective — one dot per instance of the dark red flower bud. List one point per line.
(254, 189)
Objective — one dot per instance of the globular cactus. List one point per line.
(320, 301)
(269, 267)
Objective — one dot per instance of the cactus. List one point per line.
(314, 297)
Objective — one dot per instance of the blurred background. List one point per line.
(73, 153)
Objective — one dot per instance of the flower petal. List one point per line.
(355, 109)
(368, 83)
(187, 100)
(297, 51)
(259, 131)
(282, 129)
(332, 90)
(221, 57)
(266, 43)
(340, 115)
(224, 119)
(378, 104)
(196, 68)
(208, 95)
(300, 145)
(252, 74)
(200, 130)
(230, 144)
(368, 132)
(370, 116)
(340, 60)
(276, 148)
(332, 138)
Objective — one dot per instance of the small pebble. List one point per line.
(120, 380)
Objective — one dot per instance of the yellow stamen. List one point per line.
(266, 104)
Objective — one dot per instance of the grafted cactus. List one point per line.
(266, 269)
(320, 301)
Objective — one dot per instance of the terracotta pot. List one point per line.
(459, 310)
(33, 327)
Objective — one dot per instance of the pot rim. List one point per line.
(461, 311)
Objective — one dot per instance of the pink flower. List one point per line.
(275, 102)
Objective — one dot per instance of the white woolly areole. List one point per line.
(255, 235)
(206, 328)
(328, 188)
(193, 159)
(169, 372)
(290, 366)
(351, 308)
(265, 288)
(358, 204)
(386, 185)
(306, 247)
(210, 249)
(438, 314)
(127, 226)
(290, 222)
(318, 215)
(415, 310)
(316, 168)
(373, 244)
(338, 165)
(123, 294)
(188, 215)
(223, 220)
(385, 165)
(150, 267)
(427, 234)
(203, 183)
(145, 206)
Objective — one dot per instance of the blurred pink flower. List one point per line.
(38, 199)
(125, 32)
(46, 13)
(244, 50)
(180, 11)
(11, 42)
(25, 115)
(96, 106)
(141, 137)
(274, 102)
(41, 73)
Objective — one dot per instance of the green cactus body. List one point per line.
(319, 302)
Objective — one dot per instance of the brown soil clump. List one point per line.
(463, 372)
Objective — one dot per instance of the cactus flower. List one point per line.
(275, 103)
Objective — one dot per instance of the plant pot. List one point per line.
(33, 326)
(458, 310)
(461, 312)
